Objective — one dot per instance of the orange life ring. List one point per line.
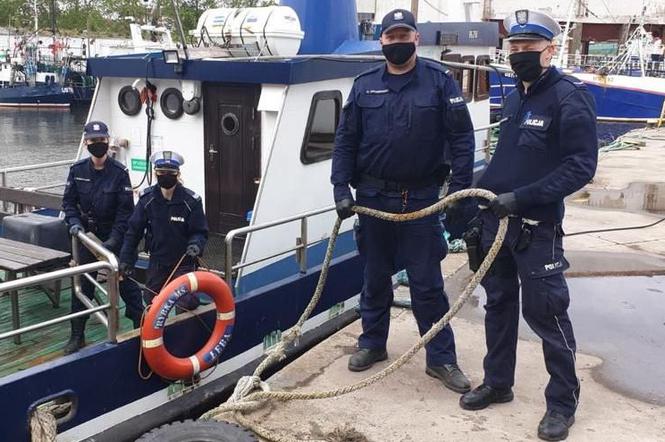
(152, 332)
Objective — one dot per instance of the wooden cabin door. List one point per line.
(233, 154)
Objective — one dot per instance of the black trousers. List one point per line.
(538, 268)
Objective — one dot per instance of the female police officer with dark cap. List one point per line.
(547, 150)
(171, 218)
(98, 198)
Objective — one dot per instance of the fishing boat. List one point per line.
(16, 91)
(253, 109)
(628, 88)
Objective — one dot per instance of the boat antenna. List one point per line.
(564, 35)
(180, 31)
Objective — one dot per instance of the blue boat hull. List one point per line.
(46, 95)
(612, 102)
(623, 103)
(104, 377)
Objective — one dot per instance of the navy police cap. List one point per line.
(526, 24)
(95, 129)
(398, 18)
(167, 159)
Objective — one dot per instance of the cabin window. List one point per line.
(482, 79)
(322, 123)
(467, 78)
(456, 73)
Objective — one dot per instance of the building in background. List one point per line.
(597, 26)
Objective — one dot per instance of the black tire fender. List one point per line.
(199, 431)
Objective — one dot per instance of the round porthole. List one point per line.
(129, 100)
(230, 124)
(171, 103)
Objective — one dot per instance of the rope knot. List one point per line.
(246, 386)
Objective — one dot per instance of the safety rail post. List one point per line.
(302, 261)
(228, 262)
(77, 289)
(302, 256)
(3, 183)
(113, 279)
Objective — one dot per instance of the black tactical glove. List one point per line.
(75, 229)
(451, 212)
(343, 208)
(126, 270)
(193, 250)
(505, 204)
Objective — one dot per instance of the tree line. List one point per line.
(106, 18)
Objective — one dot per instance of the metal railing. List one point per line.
(302, 243)
(107, 261)
(6, 171)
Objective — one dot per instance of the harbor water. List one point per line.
(33, 136)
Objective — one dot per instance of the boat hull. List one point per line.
(48, 95)
(108, 390)
(625, 98)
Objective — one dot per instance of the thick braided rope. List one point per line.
(43, 424)
(254, 401)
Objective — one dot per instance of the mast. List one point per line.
(564, 36)
(414, 9)
(36, 12)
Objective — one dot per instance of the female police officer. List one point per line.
(171, 217)
(98, 198)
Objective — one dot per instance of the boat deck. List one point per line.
(45, 344)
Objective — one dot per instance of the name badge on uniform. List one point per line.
(536, 122)
(376, 92)
(78, 178)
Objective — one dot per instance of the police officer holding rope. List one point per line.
(390, 146)
(98, 198)
(547, 150)
(170, 217)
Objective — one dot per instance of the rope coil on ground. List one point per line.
(245, 398)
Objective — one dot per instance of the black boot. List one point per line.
(554, 426)
(77, 338)
(364, 358)
(484, 395)
(451, 376)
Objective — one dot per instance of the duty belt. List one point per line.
(397, 186)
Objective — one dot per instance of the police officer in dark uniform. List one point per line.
(98, 198)
(390, 145)
(172, 220)
(547, 150)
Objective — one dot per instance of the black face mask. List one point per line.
(98, 149)
(167, 181)
(398, 53)
(527, 65)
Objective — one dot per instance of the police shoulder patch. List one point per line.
(574, 81)
(367, 72)
(119, 165)
(192, 194)
(146, 191)
(435, 66)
